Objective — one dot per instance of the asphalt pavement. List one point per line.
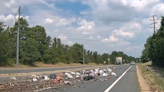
(128, 83)
(11, 71)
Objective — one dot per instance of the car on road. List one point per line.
(132, 63)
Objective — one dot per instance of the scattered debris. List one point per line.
(36, 83)
(53, 76)
(13, 78)
(113, 74)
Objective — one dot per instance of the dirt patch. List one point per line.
(144, 86)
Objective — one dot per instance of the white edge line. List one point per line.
(111, 86)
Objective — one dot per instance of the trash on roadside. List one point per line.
(113, 74)
(34, 79)
(105, 74)
(46, 77)
(68, 76)
(73, 73)
(53, 76)
(109, 70)
(36, 82)
(67, 82)
(58, 79)
(13, 78)
(106, 79)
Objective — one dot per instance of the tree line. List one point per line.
(36, 46)
(154, 47)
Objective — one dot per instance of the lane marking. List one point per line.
(111, 86)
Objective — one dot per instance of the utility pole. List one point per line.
(108, 60)
(154, 23)
(17, 51)
(83, 52)
(83, 55)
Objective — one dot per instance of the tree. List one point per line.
(105, 57)
(95, 57)
(36, 46)
(154, 47)
(5, 46)
(76, 53)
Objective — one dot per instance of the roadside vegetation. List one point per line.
(154, 52)
(154, 47)
(153, 77)
(36, 46)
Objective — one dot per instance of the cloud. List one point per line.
(113, 23)
(46, 3)
(158, 9)
(117, 10)
(62, 22)
(8, 4)
(110, 39)
(7, 18)
(70, 43)
(123, 33)
(49, 21)
(26, 17)
(62, 37)
(119, 44)
(91, 37)
(146, 21)
(85, 26)
(99, 37)
(134, 47)
(149, 21)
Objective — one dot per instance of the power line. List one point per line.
(17, 51)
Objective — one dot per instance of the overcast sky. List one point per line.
(101, 25)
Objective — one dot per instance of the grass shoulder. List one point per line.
(153, 76)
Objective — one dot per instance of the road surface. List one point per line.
(127, 83)
(28, 70)
(11, 71)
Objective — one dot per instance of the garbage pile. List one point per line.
(41, 82)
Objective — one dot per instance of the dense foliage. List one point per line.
(154, 47)
(36, 46)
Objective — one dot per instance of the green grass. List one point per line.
(154, 78)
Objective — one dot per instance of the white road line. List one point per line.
(111, 86)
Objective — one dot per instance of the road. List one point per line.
(11, 71)
(128, 83)
(28, 70)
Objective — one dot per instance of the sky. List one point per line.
(100, 25)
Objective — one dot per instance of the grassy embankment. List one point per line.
(154, 76)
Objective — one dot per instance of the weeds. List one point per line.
(156, 80)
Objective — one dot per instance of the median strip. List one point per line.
(46, 72)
